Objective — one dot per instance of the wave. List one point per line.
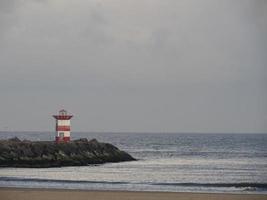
(236, 185)
(184, 184)
(58, 180)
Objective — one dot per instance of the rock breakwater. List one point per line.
(41, 154)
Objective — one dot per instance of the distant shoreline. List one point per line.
(61, 194)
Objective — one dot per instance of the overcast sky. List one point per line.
(138, 66)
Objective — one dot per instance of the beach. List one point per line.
(59, 194)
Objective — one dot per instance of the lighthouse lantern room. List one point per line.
(62, 126)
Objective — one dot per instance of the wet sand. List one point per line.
(58, 194)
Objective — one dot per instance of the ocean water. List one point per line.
(227, 163)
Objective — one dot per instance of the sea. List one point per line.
(174, 162)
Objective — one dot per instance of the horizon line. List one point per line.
(133, 132)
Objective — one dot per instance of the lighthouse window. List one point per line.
(63, 112)
(61, 134)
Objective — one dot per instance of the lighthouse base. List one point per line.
(62, 139)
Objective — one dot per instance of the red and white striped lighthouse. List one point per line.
(62, 126)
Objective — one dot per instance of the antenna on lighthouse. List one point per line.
(62, 126)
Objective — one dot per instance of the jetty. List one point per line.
(42, 154)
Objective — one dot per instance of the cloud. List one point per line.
(166, 65)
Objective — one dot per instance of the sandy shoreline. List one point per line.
(59, 194)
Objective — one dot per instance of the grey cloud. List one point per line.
(193, 66)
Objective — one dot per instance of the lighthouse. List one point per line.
(62, 126)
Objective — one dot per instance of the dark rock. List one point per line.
(16, 153)
(82, 140)
(14, 139)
